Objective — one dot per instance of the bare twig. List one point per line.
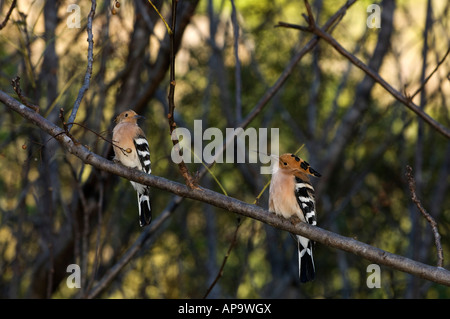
(313, 28)
(220, 273)
(169, 30)
(293, 26)
(87, 76)
(8, 14)
(428, 217)
(289, 69)
(310, 18)
(66, 126)
(170, 116)
(270, 93)
(16, 86)
(147, 233)
(430, 75)
(86, 212)
(97, 257)
(237, 74)
(435, 274)
(162, 62)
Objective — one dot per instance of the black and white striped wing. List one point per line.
(143, 153)
(143, 191)
(304, 192)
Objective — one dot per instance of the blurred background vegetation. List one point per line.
(55, 211)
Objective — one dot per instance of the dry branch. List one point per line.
(430, 75)
(270, 93)
(8, 14)
(171, 116)
(428, 217)
(16, 86)
(224, 261)
(435, 274)
(315, 29)
(88, 74)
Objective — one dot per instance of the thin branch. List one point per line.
(313, 28)
(381, 257)
(310, 18)
(237, 72)
(65, 126)
(428, 217)
(293, 26)
(225, 258)
(97, 245)
(162, 61)
(146, 234)
(8, 14)
(170, 116)
(270, 93)
(169, 30)
(16, 86)
(289, 69)
(84, 239)
(87, 76)
(431, 74)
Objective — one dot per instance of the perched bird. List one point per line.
(131, 149)
(291, 195)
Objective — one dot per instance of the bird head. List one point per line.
(293, 164)
(129, 116)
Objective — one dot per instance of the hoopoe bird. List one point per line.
(131, 149)
(292, 195)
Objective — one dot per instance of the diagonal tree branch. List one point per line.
(171, 97)
(428, 217)
(315, 29)
(270, 93)
(147, 233)
(435, 274)
(431, 74)
(8, 14)
(294, 61)
(87, 76)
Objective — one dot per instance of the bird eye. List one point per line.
(126, 114)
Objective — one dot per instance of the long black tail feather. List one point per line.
(145, 210)
(306, 269)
